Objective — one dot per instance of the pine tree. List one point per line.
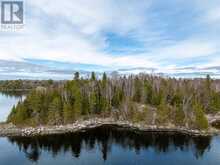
(55, 111)
(85, 105)
(75, 99)
(117, 97)
(148, 91)
(92, 101)
(11, 117)
(68, 113)
(93, 77)
(76, 76)
(138, 91)
(98, 100)
(104, 79)
(20, 116)
(214, 102)
(163, 114)
(208, 83)
(179, 116)
(201, 121)
(77, 102)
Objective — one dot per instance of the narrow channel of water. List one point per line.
(7, 101)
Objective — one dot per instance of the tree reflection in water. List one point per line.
(105, 137)
(18, 94)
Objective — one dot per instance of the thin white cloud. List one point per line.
(73, 31)
(209, 11)
(213, 16)
(187, 49)
(79, 40)
(213, 62)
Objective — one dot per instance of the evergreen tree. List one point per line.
(208, 83)
(148, 91)
(76, 76)
(11, 116)
(85, 105)
(117, 97)
(93, 77)
(55, 111)
(138, 91)
(19, 115)
(178, 102)
(201, 121)
(214, 102)
(77, 102)
(50, 82)
(68, 113)
(104, 78)
(92, 100)
(163, 114)
(179, 116)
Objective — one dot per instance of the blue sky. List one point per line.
(113, 34)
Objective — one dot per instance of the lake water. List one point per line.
(7, 100)
(105, 145)
(111, 146)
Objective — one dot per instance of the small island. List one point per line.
(137, 102)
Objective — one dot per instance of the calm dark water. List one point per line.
(111, 146)
(7, 101)
(105, 145)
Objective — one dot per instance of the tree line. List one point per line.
(15, 85)
(140, 98)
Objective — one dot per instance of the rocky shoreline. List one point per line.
(11, 130)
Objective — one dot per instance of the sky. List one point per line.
(168, 36)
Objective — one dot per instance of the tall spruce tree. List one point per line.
(93, 76)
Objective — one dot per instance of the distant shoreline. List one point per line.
(14, 90)
(9, 130)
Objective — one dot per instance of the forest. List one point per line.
(146, 99)
(19, 85)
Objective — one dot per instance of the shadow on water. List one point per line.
(216, 124)
(105, 137)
